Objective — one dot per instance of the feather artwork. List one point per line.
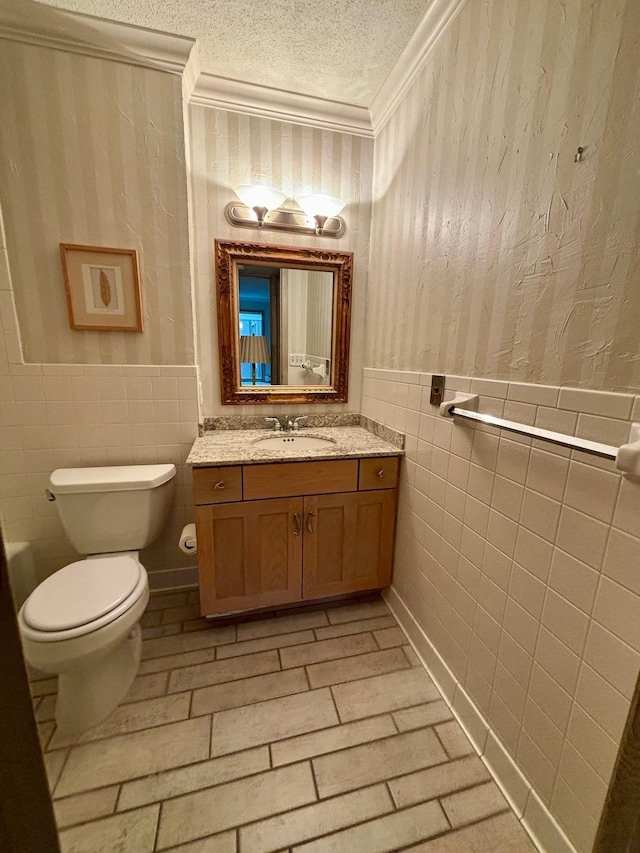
(105, 289)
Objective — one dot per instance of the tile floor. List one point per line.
(311, 731)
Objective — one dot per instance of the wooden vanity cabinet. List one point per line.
(348, 542)
(249, 554)
(267, 547)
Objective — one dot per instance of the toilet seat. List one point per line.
(82, 597)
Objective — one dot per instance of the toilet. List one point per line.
(82, 622)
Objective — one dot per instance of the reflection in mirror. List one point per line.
(283, 323)
(289, 311)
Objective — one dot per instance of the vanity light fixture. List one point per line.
(260, 199)
(260, 208)
(321, 208)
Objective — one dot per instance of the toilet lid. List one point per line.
(81, 592)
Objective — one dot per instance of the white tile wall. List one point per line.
(57, 415)
(520, 560)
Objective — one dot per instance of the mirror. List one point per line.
(283, 323)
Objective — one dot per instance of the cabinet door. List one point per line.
(249, 554)
(348, 542)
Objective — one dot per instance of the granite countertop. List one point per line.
(238, 447)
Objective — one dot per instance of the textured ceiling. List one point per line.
(336, 49)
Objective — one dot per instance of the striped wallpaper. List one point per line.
(228, 149)
(493, 253)
(93, 153)
(319, 315)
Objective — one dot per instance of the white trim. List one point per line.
(165, 579)
(532, 813)
(189, 79)
(237, 96)
(100, 38)
(542, 828)
(411, 61)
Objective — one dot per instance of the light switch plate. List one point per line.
(437, 389)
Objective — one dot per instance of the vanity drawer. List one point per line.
(378, 473)
(288, 479)
(217, 485)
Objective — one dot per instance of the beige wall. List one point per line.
(319, 315)
(496, 257)
(494, 254)
(228, 149)
(96, 156)
(75, 415)
(93, 153)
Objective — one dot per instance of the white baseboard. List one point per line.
(187, 576)
(532, 813)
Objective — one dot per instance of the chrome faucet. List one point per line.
(285, 423)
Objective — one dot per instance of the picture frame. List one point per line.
(102, 287)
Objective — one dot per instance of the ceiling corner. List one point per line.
(436, 20)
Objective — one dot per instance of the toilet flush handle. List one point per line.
(50, 497)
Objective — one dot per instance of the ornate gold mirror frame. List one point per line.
(231, 254)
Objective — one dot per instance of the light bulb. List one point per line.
(320, 205)
(260, 199)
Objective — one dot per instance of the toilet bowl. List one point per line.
(82, 622)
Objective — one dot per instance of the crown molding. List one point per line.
(412, 60)
(100, 38)
(237, 96)
(126, 43)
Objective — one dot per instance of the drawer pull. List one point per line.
(380, 473)
(297, 524)
(219, 485)
(309, 524)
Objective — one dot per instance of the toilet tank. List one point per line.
(117, 508)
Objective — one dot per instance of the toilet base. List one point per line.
(88, 694)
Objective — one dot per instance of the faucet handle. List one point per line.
(276, 423)
(296, 421)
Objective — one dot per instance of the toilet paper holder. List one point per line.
(188, 542)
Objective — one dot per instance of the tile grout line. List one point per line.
(117, 801)
(210, 735)
(64, 764)
(391, 797)
(440, 741)
(335, 705)
(157, 832)
(306, 675)
(315, 781)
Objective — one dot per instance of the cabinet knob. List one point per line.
(380, 473)
(219, 485)
(309, 524)
(297, 524)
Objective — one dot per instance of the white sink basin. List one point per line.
(294, 442)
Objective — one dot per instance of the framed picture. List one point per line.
(103, 288)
